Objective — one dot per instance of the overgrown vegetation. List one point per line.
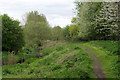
(59, 62)
(69, 60)
(40, 51)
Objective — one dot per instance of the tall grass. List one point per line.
(12, 59)
(9, 59)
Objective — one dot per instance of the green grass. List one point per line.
(103, 52)
(110, 46)
(67, 60)
(61, 61)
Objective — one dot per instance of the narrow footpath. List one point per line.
(97, 67)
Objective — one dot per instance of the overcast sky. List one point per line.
(57, 12)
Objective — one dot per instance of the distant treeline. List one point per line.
(94, 21)
(36, 31)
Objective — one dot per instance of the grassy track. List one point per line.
(63, 60)
(105, 58)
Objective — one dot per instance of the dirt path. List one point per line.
(97, 68)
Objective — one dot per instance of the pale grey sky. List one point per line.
(57, 12)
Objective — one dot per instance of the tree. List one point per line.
(107, 21)
(71, 32)
(97, 20)
(66, 33)
(57, 33)
(85, 19)
(74, 31)
(36, 29)
(12, 34)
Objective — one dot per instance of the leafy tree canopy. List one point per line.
(12, 34)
